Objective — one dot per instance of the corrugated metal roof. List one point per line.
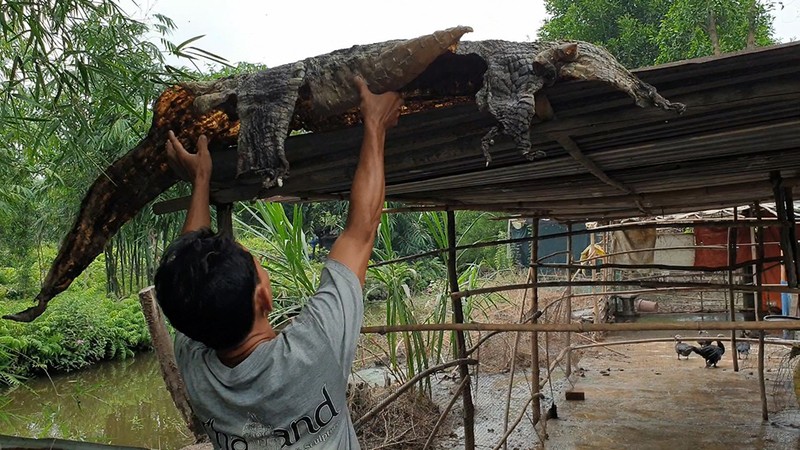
(742, 122)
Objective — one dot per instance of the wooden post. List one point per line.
(733, 236)
(162, 344)
(760, 313)
(225, 219)
(568, 302)
(461, 347)
(792, 225)
(595, 303)
(781, 209)
(535, 372)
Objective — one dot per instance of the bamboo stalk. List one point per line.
(733, 235)
(656, 266)
(444, 413)
(761, 383)
(656, 284)
(782, 342)
(568, 295)
(536, 407)
(513, 372)
(759, 274)
(595, 304)
(585, 327)
(461, 346)
(408, 384)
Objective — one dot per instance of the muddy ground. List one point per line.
(648, 399)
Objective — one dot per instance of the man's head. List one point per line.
(206, 285)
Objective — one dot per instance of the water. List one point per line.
(118, 402)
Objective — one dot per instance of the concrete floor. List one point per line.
(651, 400)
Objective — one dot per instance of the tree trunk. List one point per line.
(752, 24)
(162, 343)
(712, 32)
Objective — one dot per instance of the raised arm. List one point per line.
(195, 168)
(354, 246)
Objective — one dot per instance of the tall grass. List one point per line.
(281, 245)
(397, 279)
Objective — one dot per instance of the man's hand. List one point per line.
(380, 111)
(197, 169)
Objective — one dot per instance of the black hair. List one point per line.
(205, 285)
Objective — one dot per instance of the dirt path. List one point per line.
(650, 400)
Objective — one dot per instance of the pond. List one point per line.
(117, 402)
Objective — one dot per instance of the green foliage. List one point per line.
(655, 31)
(77, 82)
(690, 27)
(77, 330)
(400, 309)
(627, 29)
(281, 244)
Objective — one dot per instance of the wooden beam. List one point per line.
(585, 327)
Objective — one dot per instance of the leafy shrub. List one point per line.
(77, 330)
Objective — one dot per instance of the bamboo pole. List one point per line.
(536, 407)
(782, 214)
(760, 314)
(652, 266)
(595, 305)
(461, 346)
(644, 283)
(782, 342)
(625, 226)
(790, 216)
(733, 236)
(568, 302)
(514, 350)
(761, 383)
(585, 327)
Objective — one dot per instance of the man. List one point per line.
(251, 387)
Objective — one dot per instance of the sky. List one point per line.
(275, 33)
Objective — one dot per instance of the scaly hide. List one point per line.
(256, 112)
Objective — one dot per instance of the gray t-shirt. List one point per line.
(290, 392)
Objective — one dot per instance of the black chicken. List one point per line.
(704, 342)
(683, 349)
(711, 353)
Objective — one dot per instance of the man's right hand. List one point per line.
(378, 110)
(354, 246)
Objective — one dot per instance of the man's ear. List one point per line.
(263, 298)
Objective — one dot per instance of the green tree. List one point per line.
(693, 28)
(656, 31)
(627, 29)
(77, 80)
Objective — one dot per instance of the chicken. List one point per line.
(743, 347)
(704, 342)
(711, 353)
(683, 349)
